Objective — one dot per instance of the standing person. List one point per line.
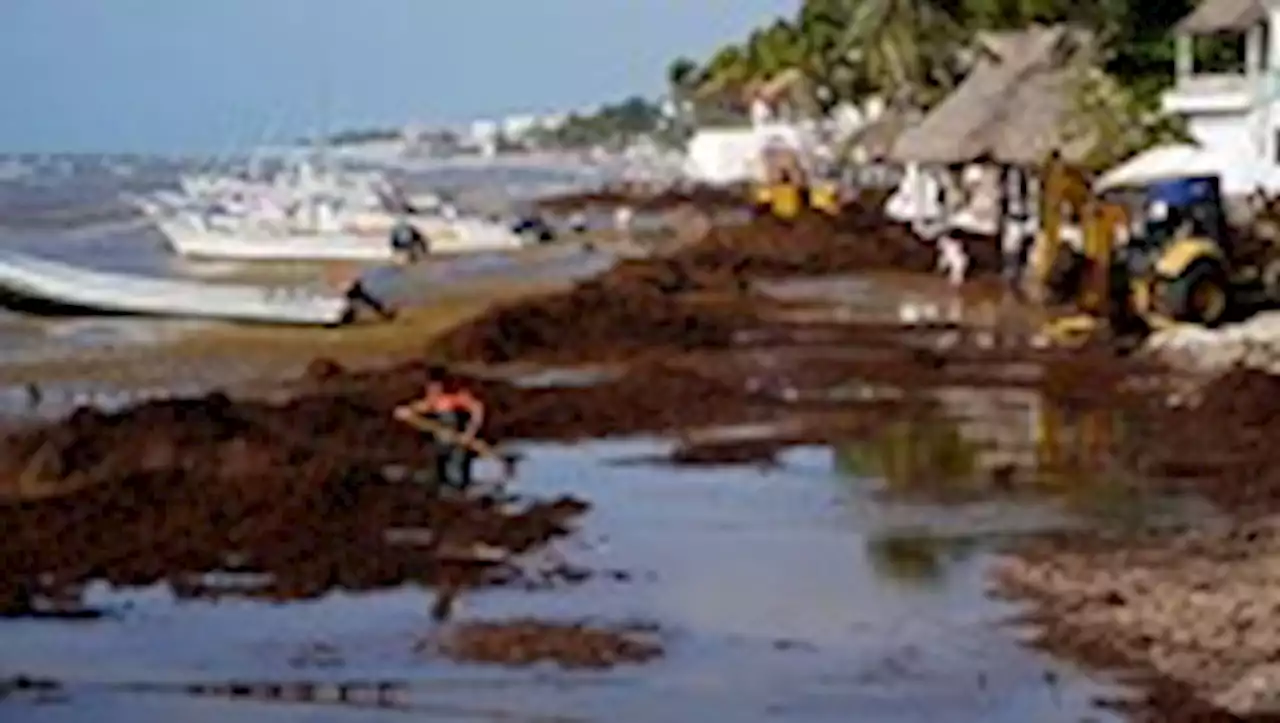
(407, 241)
(623, 218)
(449, 402)
(953, 260)
(1018, 230)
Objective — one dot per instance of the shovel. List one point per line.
(447, 434)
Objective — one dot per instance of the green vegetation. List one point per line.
(613, 125)
(916, 49)
(913, 52)
(360, 136)
(931, 453)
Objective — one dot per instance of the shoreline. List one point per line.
(270, 349)
(693, 345)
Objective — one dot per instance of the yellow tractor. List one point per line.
(786, 188)
(1174, 266)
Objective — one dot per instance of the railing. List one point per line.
(1213, 84)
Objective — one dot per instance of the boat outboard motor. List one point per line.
(408, 240)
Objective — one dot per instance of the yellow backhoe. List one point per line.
(1173, 266)
(786, 188)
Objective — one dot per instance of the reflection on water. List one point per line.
(984, 438)
(923, 558)
(911, 452)
(976, 443)
(771, 590)
(911, 560)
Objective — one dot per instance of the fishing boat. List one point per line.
(329, 236)
(41, 286)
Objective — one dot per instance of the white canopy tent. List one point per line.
(1177, 161)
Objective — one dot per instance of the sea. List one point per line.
(77, 209)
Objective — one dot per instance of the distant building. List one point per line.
(553, 121)
(1232, 109)
(481, 130)
(520, 125)
(414, 133)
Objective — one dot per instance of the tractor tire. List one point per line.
(1200, 295)
(1270, 278)
(1062, 285)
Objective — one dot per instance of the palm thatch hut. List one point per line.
(1013, 108)
(875, 141)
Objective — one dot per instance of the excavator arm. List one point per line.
(1065, 193)
(1080, 277)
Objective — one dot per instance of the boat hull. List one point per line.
(442, 236)
(39, 286)
(189, 240)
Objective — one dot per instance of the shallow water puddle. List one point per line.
(565, 377)
(795, 594)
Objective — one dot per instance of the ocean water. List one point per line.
(75, 209)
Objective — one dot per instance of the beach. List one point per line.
(769, 471)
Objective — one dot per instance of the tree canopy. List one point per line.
(613, 124)
(913, 50)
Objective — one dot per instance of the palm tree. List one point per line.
(682, 74)
(905, 48)
(825, 56)
(682, 77)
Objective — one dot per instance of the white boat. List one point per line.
(466, 234)
(308, 212)
(362, 237)
(190, 237)
(42, 286)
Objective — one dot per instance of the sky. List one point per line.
(215, 75)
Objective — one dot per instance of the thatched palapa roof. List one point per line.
(1219, 16)
(1013, 106)
(878, 137)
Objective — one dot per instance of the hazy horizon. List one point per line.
(147, 76)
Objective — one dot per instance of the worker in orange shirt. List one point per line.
(449, 402)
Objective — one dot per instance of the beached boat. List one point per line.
(366, 238)
(467, 234)
(197, 238)
(41, 286)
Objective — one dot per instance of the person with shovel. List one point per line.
(453, 407)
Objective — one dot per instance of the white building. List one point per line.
(481, 131)
(552, 121)
(517, 126)
(1233, 112)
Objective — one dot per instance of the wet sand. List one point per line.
(873, 445)
(432, 297)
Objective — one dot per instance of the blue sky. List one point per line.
(211, 75)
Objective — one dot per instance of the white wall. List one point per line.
(730, 155)
(1233, 137)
